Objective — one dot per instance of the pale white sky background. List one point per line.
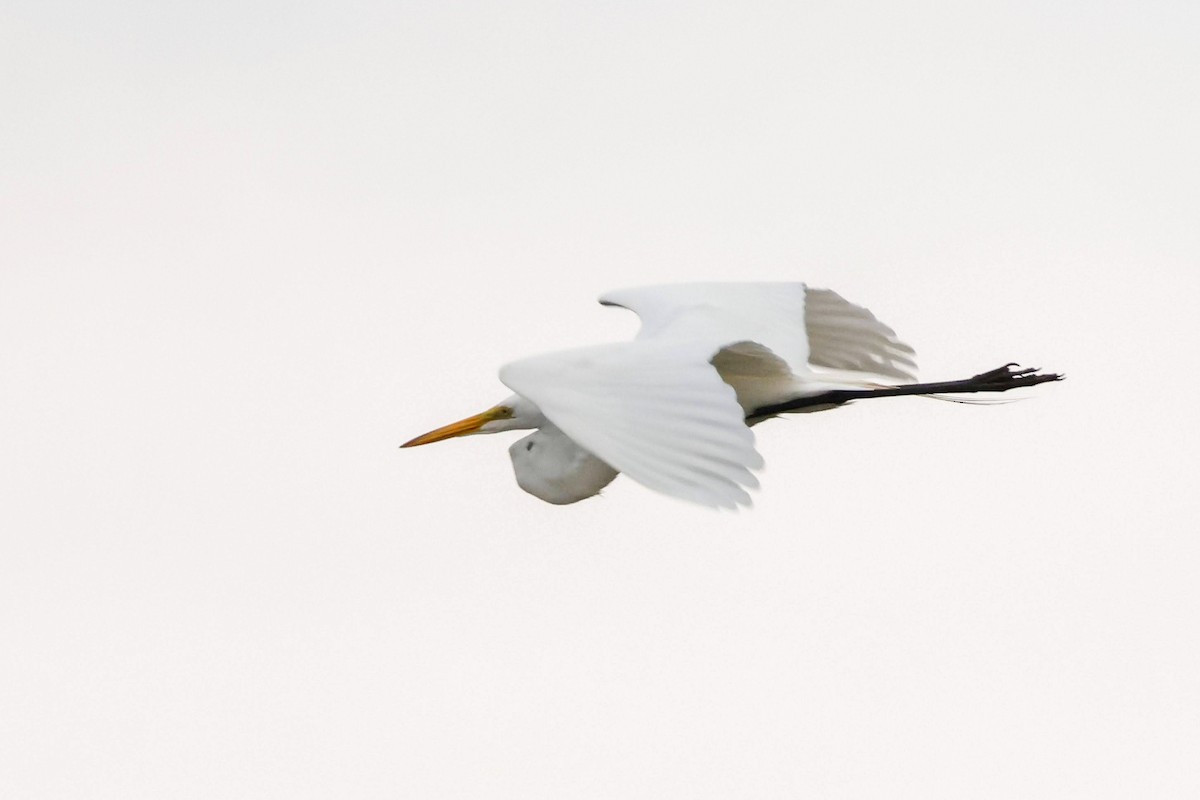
(248, 248)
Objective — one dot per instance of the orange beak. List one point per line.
(460, 428)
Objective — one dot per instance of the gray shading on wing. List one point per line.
(799, 325)
(844, 336)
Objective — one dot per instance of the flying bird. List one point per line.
(673, 409)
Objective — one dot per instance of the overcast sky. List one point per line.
(248, 248)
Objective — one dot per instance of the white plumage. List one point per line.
(551, 467)
(670, 408)
(653, 409)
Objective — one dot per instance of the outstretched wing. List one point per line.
(721, 314)
(801, 326)
(654, 410)
(842, 335)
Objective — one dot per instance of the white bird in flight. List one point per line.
(673, 408)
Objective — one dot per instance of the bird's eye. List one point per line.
(528, 446)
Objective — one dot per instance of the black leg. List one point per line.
(1001, 379)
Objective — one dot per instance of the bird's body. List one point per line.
(673, 408)
(550, 466)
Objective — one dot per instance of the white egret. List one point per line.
(673, 408)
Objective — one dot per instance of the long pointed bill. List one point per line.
(460, 428)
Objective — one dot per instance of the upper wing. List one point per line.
(802, 326)
(654, 410)
(842, 335)
(720, 314)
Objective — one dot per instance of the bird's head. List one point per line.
(515, 413)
